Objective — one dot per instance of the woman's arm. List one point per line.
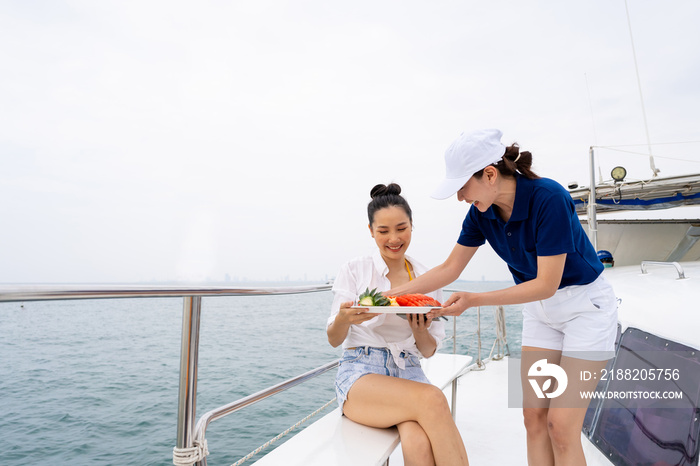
(425, 342)
(549, 272)
(438, 276)
(338, 330)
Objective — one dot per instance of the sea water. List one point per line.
(95, 382)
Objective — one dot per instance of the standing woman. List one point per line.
(380, 382)
(570, 310)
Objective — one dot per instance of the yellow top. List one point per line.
(408, 270)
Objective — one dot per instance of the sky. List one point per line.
(220, 140)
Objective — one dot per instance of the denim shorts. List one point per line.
(580, 321)
(364, 360)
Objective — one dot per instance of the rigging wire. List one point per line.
(638, 145)
(678, 159)
(654, 170)
(279, 436)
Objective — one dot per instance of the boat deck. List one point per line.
(484, 395)
(498, 437)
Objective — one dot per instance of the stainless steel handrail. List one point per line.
(679, 269)
(14, 293)
(218, 413)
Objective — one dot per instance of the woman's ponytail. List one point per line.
(513, 162)
(519, 161)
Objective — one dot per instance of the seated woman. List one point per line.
(380, 382)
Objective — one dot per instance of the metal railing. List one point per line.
(679, 269)
(190, 436)
(16, 293)
(191, 317)
(218, 413)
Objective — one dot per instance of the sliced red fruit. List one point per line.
(416, 299)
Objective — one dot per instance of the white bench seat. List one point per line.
(336, 440)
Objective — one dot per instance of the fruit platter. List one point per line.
(376, 302)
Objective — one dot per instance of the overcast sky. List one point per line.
(170, 140)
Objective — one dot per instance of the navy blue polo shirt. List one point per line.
(543, 223)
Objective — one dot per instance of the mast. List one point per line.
(592, 220)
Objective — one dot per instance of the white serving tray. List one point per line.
(397, 309)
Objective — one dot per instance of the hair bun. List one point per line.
(383, 190)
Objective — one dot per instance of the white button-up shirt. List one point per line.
(386, 330)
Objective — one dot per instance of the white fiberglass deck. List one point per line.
(498, 437)
(492, 432)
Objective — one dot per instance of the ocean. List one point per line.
(95, 382)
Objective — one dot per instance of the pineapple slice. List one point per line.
(373, 298)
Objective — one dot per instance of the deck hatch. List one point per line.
(644, 431)
(593, 411)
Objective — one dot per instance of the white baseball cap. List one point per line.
(468, 154)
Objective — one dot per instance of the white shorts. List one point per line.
(580, 321)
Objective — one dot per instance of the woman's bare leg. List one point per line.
(567, 412)
(554, 424)
(539, 446)
(383, 401)
(415, 444)
(536, 410)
